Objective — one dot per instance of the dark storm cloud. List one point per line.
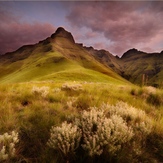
(125, 24)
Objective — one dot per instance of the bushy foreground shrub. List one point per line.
(106, 134)
(138, 121)
(7, 145)
(108, 130)
(136, 118)
(101, 132)
(66, 138)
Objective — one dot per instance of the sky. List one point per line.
(116, 26)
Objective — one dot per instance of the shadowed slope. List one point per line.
(137, 63)
(136, 66)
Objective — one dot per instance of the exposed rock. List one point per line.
(45, 42)
(61, 32)
(80, 44)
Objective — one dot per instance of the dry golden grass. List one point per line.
(33, 114)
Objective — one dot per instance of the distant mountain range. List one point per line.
(59, 58)
(136, 66)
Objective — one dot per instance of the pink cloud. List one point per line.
(99, 45)
(91, 35)
(124, 24)
(14, 33)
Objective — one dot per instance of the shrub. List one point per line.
(100, 132)
(43, 91)
(65, 138)
(72, 87)
(138, 121)
(136, 118)
(7, 145)
(154, 99)
(107, 131)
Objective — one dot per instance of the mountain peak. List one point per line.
(133, 50)
(61, 32)
(130, 52)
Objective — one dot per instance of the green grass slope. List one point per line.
(56, 58)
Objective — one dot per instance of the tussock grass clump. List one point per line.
(7, 145)
(71, 87)
(43, 91)
(154, 99)
(137, 92)
(83, 101)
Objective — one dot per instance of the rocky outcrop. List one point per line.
(61, 32)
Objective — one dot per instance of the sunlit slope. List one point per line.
(53, 66)
(56, 58)
(79, 55)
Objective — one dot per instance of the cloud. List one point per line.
(14, 32)
(124, 24)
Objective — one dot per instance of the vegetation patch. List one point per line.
(154, 99)
(80, 122)
(107, 131)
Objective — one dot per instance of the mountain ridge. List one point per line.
(56, 57)
(131, 66)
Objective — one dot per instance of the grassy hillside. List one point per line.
(56, 58)
(32, 108)
(54, 66)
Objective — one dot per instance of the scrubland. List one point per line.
(75, 121)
